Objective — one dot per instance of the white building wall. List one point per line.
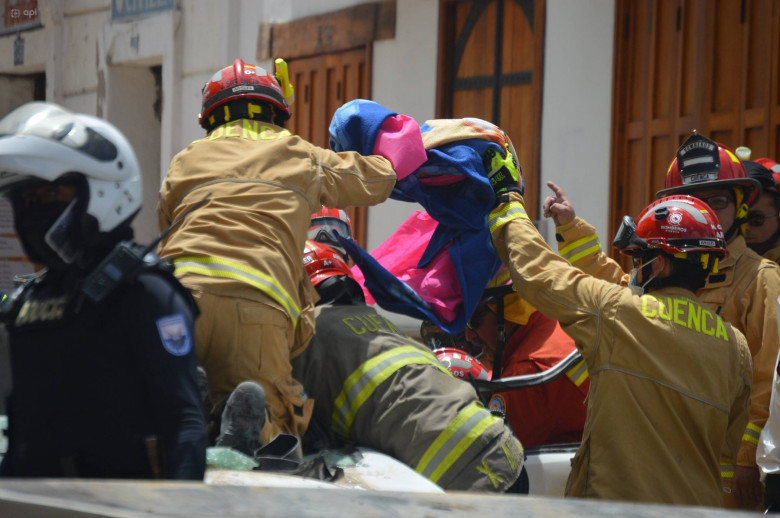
(577, 107)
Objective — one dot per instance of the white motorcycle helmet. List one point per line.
(42, 142)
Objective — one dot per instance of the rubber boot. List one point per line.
(243, 418)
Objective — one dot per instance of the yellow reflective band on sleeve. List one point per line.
(217, 267)
(455, 440)
(365, 379)
(752, 433)
(579, 373)
(580, 248)
(727, 470)
(502, 216)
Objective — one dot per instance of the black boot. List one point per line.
(243, 418)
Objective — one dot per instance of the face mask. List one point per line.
(633, 282)
(47, 233)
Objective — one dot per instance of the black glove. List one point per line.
(504, 173)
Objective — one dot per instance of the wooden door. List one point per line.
(680, 65)
(322, 84)
(490, 67)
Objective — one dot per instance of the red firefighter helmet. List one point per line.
(461, 364)
(701, 163)
(761, 170)
(773, 167)
(674, 224)
(326, 220)
(241, 81)
(322, 262)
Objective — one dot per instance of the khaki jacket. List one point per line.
(773, 255)
(378, 388)
(670, 380)
(744, 293)
(262, 184)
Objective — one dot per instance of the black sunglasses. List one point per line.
(757, 219)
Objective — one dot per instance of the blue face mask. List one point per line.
(633, 283)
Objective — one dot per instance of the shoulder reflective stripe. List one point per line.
(365, 379)
(579, 373)
(216, 267)
(454, 440)
(580, 248)
(752, 433)
(727, 470)
(507, 213)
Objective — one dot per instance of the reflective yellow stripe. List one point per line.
(580, 248)
(365, 379)
(752, 432)
(727, 470)
(510, 211)
(579, 373)
(454, 440)
(217, 267)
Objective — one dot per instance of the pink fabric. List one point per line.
(399, 254)
(400, 141)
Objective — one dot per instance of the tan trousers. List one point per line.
(239, 340)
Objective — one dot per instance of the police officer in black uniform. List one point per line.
(102, 354)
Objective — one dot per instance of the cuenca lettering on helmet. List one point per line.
(685, 313)
(361, 324)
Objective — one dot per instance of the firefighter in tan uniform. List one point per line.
(378, 388)
(240, 251)
(743, 292)
(762, 230)
(670, 380)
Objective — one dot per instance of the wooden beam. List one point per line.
(336, 31)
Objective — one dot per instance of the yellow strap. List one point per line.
(455, 440)
(579, 373)
(752, 433)
(218, 267)
(580, 248)
(362, 383)
(727, 470)
(505, 214)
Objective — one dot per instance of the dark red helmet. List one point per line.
(241, 81)
(674, 225)
(461, 364)
(760, 169)
(773, 167)
(701, 163)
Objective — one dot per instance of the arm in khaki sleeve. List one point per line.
(545, 279)
(579, 244)
(760, 328)
(738, 416)
(349, 178)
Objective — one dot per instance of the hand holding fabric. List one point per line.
(371, 129)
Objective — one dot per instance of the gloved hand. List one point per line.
(504, 172)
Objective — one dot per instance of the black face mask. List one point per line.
(52, 247)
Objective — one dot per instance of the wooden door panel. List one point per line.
(322, 84)
(490, 64)
(708, 65)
